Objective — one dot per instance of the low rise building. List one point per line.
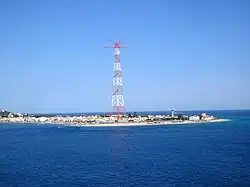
(194, 118)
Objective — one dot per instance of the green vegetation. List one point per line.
(132, 115)
(4, 113)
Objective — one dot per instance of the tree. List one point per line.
(4, 113)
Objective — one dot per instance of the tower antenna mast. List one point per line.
(117, 97)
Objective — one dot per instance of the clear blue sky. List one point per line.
(182, 54)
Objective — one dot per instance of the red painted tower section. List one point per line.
(117, 97)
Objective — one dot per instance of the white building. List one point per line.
(194, 118)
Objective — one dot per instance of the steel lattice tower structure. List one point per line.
(117, 97)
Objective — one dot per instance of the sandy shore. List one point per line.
(123, 124)
(148, 124)
(130, 124)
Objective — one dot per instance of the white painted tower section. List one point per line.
(117, 98)
(172, 113)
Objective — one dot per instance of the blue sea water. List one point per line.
(213, 154)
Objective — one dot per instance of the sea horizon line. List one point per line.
(136, 111)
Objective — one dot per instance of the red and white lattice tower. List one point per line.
(117, 97)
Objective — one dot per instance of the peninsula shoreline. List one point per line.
(109, 120)
(120, 124)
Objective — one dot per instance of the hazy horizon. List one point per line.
(153, 111)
